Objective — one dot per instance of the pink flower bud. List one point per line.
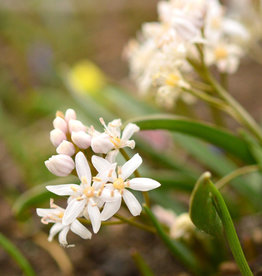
(81, 139)
(66, 148)
(70, 114)
(57, 136)
(60, 123)
(101, 143)
(76, 125)
(60, 165)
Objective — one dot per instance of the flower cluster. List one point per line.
(158, 58)
(99, 195)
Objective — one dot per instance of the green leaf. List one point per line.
(141, 264)
(202, 210)
(11, 249)
(216, 136)
(36, 196)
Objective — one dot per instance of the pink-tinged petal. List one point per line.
(101, 143)
(60, 123)
(62, 236)
(132, 203)
(70, 114)
(82, 167)
(143, 184)
(79, 229)
(73, 209)
(81, 139)
(63, 189)
(76, 125)
(56, 228)
(129, 130)
(42, 212)
(110, 209)
(60, 165)
(94, 215)
(57, 136)
(66, 148)
(130, 166)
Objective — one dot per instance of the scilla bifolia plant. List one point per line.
(171, 59)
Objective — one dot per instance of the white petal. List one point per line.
(110, 209)
(64, 189)
(62, 236)
(111, 156)
(66, 148)
(60, 123)
(101, 164)
(57, 136)
(109, 194)
(73, 209)
(129, 130)
(42, 212)
(57, 227)
(130, 166)
(79, 229)
(82, 167)
(70, 114)
(143, 184)
(101, 143)
(81, 139)
(76, 125)
(94, 215)
(132, 203)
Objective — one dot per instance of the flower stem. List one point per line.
(136, 224)
(230, 232)
(244, 170)
(106, 223)
(137, 174)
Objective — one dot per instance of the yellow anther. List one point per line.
(112, 193)
(119, 184)
(60, 215)
(89, 191)
(79, 198)
(84, 180)
(97, 179)
(172, 80)
(116, 141)
(60, 114)
(110, 173)
(73, 188)
(119, 170)
(221, 53)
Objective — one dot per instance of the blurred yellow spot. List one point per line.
(85, 77)
(119, 184)
(221, 53)
(172, 80)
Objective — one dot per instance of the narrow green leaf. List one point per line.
(141, 264)
(11, 249)
(216, 136)
(178, 249)
(201, 210)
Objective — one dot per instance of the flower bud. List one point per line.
(60, 123)
(60, 165)
(101, 143)
(66, 148)
(76, 125)
(81, 139)
(70, 114)
(57, 136)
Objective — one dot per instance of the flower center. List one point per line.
(119, 184)
(116, 141)
(172, 80)
(221, 53)
(89, 191)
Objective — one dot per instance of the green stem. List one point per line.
(180, 252)
(136, 224)
(105, 223)
(230, 232)
(16, 255)
(137, 174)
(241, 171)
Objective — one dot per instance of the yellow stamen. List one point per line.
(97, 179)
(60, 114)
(84, 180)
(89, 191)
(119, 184)
(73, 188)
(116, 141)
(221, 53)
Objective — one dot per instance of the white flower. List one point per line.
(66, 148)
(55, 215)
(81, 139)
(60, 165)
(112, 138)
(83, 198)
(57, 136)
(117, 184)
(182, 227)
